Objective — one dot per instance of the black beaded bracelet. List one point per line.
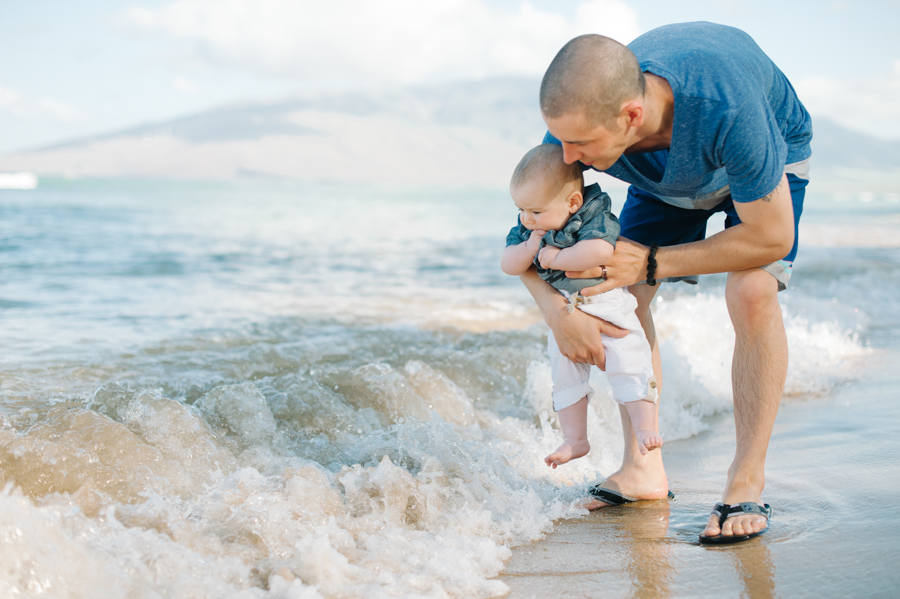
(651, 265)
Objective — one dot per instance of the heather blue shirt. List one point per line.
(592, 221)
(737, 120)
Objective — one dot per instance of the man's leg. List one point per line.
(758, 372)
(647, 219)
(640, 476)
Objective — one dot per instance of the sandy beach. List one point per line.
(832, 479)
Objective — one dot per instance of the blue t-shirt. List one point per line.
(737, 120)
(593, 220)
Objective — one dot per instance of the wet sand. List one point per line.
(832, 478)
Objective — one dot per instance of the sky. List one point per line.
(73, 69)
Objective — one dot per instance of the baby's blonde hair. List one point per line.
(546, 161)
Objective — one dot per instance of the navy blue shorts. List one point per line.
(646, 219)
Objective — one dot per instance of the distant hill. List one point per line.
(452, 135)
(836, 147)
(463, 134)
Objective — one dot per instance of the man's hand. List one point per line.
(577, 334)
(627, 266)
(547, 256)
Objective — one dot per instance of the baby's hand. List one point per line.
(534, 241)
(547, 256)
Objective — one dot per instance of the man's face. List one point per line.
(592, 145)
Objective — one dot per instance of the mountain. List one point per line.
(452, 135)
(463, 134)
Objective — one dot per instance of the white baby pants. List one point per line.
(629, 365)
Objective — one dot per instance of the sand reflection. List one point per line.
(649, 566)
(755, 569)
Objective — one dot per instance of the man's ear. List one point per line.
(574, 201)
(633, 113)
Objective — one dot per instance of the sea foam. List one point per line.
(386, 462)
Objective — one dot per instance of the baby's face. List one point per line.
(541, 208)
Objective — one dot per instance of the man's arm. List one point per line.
(585, 254)
(765, 235)
(577, 334)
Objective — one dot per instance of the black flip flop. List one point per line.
(614, 497)
(725, 511)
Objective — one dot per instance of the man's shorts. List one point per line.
(646, 219)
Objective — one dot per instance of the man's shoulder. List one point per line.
(703, 60)
(685, 38)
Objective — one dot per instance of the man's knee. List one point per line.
(752, 297)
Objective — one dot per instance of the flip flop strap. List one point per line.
(609, 496)
(614, 498)
(725, 511)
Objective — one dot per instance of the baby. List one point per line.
(565, 226)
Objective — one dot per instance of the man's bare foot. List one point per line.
(568, 451)
(645, 493)
(641, 476)
(648, 439)
(643, 479)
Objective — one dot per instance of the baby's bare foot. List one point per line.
(569, 450)
(648, 439)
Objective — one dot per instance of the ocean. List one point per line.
(269, 389)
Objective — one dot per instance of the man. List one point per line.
(699, 120)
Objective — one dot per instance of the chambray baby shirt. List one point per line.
(594, 220)
(737, 120)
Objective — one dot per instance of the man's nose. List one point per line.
(570, 154)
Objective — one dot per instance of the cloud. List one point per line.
(186, 86)
(868, 104)
(404, 41)
(18, 105)
(733, 8)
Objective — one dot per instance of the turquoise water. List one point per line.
(283, 390)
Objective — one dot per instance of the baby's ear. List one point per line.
(575, 200)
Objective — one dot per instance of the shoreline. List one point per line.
(830, 486)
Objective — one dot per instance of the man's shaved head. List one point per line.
(592, 74)
(545, 163)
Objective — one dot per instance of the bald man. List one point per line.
(699, 121)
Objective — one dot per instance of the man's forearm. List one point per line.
(765, 235)
(545, 296)
(732, 250)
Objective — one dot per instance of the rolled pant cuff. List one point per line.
(781, 270)
(571, 396)
(631, 393)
